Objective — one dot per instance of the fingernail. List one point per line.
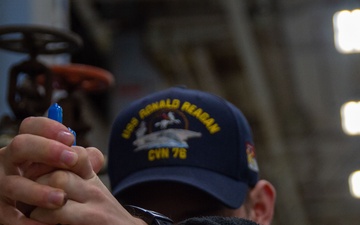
(69, 158)
(65, 137)
(58, 198)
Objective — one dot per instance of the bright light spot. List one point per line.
(350, 118)
(347, 31)
(354, 184)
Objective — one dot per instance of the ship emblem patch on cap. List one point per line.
(166, 129)
(163, 128)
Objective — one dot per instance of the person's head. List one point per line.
(187, 153)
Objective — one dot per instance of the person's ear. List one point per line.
(262, 202)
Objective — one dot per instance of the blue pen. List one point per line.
(56, 113)
(74, 133)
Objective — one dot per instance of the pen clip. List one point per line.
(55, 112)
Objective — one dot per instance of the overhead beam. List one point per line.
(99, 31)
(290, 205)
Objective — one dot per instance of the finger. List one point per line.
(12, 216)
(83, 167)
(90, 202)
(17, 188)
(26, 148)
(85, 214)
(96, 158)
(47, 128)
(71, 214)
(76, 188)
(36, 170)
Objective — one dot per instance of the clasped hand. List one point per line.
(45, 180)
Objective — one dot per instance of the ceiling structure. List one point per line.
(275, 60)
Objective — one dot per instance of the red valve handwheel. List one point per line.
(84, 77)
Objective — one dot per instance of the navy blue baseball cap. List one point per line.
(186, 136)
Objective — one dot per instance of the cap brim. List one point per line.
(229, 191)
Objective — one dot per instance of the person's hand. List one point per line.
(89, 201)
(42, 146)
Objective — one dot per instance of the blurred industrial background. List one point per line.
(275, 59)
